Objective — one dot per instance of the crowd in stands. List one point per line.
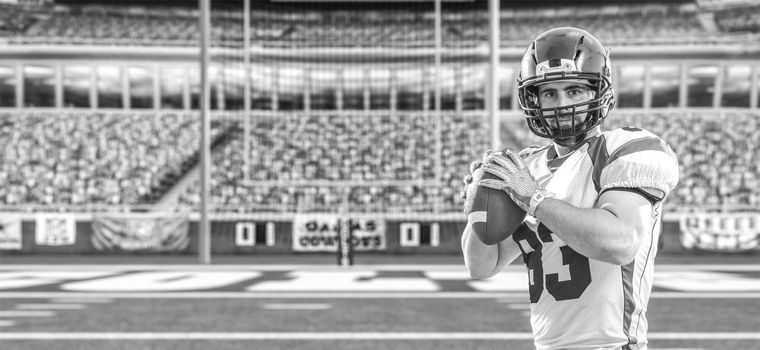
(91, 158)
(366, 28)
(326, 161)
(376, 162)
(14, 20)
(739, 19)
(621, 29)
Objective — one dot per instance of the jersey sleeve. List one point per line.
(642, 162)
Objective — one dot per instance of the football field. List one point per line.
(317, 306)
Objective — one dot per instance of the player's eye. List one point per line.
(548, 94)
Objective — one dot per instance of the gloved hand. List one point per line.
(513, 178)
(468, 178)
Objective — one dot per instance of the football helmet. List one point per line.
(565, 54)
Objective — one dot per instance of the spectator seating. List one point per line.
(311, 162)
(739, 19)
(375, 162)
(711, 173)
(14, 20)
(92, 158)
(363, 29)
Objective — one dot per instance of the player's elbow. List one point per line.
(480, 272)
(623, 250)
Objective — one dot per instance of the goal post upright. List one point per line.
(204, 234)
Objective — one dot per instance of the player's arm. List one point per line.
(482, 260)
(609, 232)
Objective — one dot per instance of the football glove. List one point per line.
(468, 178)
(514, 178)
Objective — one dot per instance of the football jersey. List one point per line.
(582, 303)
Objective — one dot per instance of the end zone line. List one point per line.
(340, 295)
(338, 336)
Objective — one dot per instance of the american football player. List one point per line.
(594, 201)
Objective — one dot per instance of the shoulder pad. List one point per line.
(638, 159)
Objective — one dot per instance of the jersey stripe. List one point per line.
(629, 305)
(639, 145)
(656, 208)
(597, 152)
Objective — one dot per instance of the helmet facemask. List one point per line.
(546, 122)
(565, 55)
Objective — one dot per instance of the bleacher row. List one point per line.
(307, 163)
(92, 158)
(364, 29)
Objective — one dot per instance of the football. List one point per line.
(494, 215)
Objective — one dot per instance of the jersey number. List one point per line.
(580, 273)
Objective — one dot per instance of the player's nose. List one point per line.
(564, 100)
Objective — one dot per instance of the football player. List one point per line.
(594, 201)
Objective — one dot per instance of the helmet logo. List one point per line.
(555, 65)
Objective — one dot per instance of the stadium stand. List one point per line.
(314, 162)
(305, 161)
(732, 183)
(69, 159)
(634, 25)
(739, 19)
(14, 20)
(374, 162)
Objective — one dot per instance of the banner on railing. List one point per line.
(320, 233)
(55, 230)
(10, 233)
(133, 233)
(720, 232)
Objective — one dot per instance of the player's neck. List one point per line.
(565, 150)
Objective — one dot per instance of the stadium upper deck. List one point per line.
(305, 27)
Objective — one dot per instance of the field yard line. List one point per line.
(296, 306)
(337, 336)
(86, 300)
(26, 313)
(50, 306)
(518, 296)
(416, 267)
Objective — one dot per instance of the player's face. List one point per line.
(564, 93)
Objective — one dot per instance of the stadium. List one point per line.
(137, 134)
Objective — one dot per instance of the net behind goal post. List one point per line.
(355, 116)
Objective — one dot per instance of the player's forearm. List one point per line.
(479, 258)
(594, 232)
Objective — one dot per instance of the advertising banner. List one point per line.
(135, 233)
(320, 233)
(10, 233)
(55, 230)
(720, 232)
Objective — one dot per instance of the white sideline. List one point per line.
(518, 296)
(340, 336)
(312, 267)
